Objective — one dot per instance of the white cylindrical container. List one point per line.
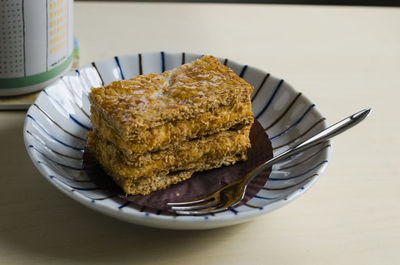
(36, 43)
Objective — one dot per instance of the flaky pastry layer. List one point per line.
(145, 186)
(177, 158)
(172, 134)
(223, 148)
(147, 101)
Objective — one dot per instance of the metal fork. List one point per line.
(230, 195)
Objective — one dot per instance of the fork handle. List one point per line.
(322, 136)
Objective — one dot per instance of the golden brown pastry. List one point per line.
(158, 129)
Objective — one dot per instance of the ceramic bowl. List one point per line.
(56, 125)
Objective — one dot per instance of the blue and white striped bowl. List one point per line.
(56, 124)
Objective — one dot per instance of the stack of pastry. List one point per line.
(156, 130)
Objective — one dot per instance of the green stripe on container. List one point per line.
(35, 79)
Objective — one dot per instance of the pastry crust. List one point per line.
(172, 134)
(190, 155)
(162, 164)
(155, 130)
(145, 185)
(147, 101)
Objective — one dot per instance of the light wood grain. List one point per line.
(343, 58)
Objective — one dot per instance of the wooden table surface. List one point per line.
(343, 58)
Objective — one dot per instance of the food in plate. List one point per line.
(155, 130)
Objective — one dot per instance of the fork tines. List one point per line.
(198, 207)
